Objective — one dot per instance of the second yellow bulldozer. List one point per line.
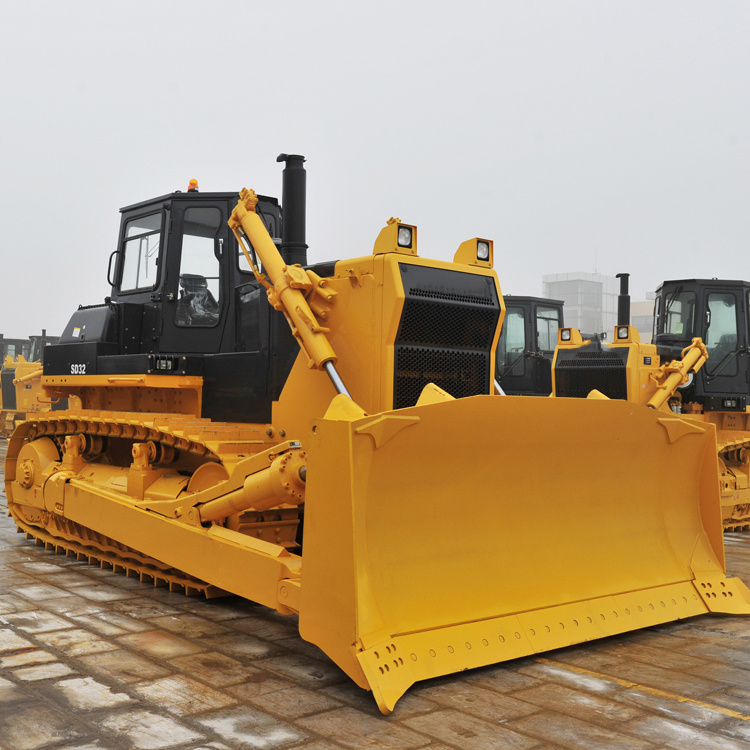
(21, 391)
(325, 440)
(715, 392)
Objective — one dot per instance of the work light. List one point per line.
(404, 236)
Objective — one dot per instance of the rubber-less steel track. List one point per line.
(190, 438)
(732, 453)
(83, 544)
(182, 433)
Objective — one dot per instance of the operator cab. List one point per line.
(179, 265)
(527, 345)
(184, 301)
(716, 311)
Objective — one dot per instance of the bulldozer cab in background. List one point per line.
(713, 312)
(523, 363)
(38, 344)
(716, 311)
(20, 384)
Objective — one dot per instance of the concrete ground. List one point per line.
(90, 660)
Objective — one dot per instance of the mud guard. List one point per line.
(453, 535)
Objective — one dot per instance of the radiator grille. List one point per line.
(459, 373)
(578, 374)
(470, 298)
(445, 335)
(594, 359)
(454, 325)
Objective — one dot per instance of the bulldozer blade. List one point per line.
(462, 533)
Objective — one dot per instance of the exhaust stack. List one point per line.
(623, 301)
(293, 204)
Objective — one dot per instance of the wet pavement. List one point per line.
(92, 660)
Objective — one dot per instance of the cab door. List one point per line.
(724, 332)
(195, 293)
(547, 320)
(511, 367)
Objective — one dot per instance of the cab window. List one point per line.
(272, 225)
(547, 325)
(199, 295)
(721, 334)
(510, 349)
(679, 313)
(242, 262)
(140, 261)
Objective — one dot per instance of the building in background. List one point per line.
(590, 300)
(642, 316)
(591, 303)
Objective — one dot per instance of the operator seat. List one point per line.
(196, 305)
(726, 345)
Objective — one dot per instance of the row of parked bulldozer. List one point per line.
(532, 361)
(330, 440)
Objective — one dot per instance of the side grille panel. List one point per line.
(445, 335)
(450, 325)
(459, 373)
(578, 373)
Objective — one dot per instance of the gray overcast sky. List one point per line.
(579, 135)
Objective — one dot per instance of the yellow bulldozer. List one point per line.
(715, 392)
(21, 390)
(327, 440)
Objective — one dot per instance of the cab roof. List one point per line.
(179, 194)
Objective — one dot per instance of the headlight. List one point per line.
(623, 332)
(483, 250)
(565, 334)
(404, 236)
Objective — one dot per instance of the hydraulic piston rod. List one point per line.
(282, 482)
(676, 373)
(288, 287)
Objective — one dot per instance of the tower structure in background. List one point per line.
(642, 316)
(590, 300)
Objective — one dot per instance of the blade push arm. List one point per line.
(674, 374)
(288, 287)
